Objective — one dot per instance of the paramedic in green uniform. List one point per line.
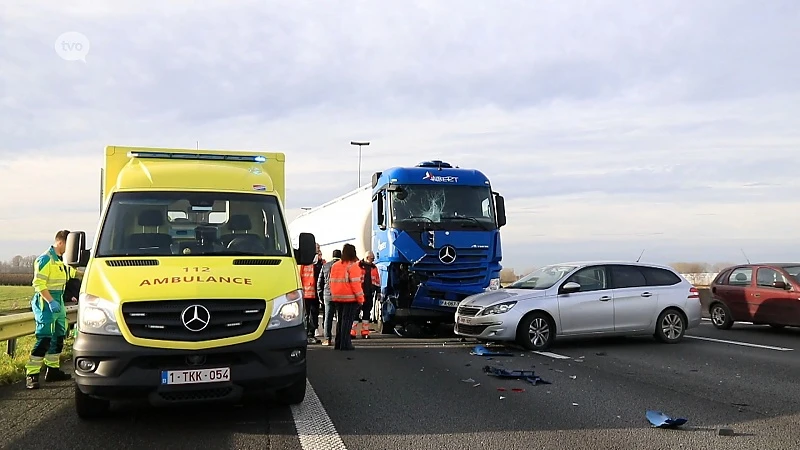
(50, 276)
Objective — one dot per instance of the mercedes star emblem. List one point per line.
(447, 254)
(195, 318)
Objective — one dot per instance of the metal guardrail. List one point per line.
(18, 325)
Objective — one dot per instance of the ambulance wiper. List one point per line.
(235, 253)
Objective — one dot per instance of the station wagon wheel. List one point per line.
(536, 332)
(721, 316)
(671, 326)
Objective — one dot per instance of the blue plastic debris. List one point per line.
(527, 375)
(661, 420)
(480, 350)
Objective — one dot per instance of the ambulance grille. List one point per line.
(163, 320)
(256, 262)
(131, 262)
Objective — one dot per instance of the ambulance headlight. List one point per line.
(287, 310)
(97, 315)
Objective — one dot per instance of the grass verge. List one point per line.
(15, 297)
(13, 369)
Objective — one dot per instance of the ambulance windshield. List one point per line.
(193, 224)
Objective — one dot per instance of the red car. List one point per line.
(764, 294)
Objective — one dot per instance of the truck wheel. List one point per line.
(89, 407)
(385, 327)
(292, 395)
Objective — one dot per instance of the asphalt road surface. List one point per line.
(394, 393)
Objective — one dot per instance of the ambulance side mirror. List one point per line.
(307, 249)
(75, 253)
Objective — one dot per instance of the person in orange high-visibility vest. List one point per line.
(308, 276)
(346, 294)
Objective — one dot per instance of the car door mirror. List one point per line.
(570, 287)
(780, 285)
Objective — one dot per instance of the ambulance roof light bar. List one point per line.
(197, 156)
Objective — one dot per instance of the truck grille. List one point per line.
(162, 320)
(468, 268)
(468, 311)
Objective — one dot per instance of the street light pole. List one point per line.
(359, 144)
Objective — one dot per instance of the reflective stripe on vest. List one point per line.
(346, 283)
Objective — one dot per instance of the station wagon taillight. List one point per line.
(694, 293)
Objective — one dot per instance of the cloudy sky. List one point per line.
(609, 126)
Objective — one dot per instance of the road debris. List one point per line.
(468, 380)
(480, 350)
(527, 375)
(661, 420)
(726, 432)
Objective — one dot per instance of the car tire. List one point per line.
(671, 326)
(88, 407)
(536, 332)
(721, 316)
(292, 395)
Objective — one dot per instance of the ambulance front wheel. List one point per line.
(89, 407)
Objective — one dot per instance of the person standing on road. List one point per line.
(346, 294)
(309, 275)
(324, 292)
(50, 276)
(370, 284)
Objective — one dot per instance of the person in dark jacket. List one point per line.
(371, 285)
(324, 292)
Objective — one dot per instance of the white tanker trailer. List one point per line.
(344, 220)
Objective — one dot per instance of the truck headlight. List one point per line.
(494, 284)
(499, 308)
(97, 315)
(287, 310)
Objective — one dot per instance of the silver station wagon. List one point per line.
(601, 298)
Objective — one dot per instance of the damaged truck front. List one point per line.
(434, 230)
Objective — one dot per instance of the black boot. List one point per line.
(56, 375)
(32, 381)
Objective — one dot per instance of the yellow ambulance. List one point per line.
(191, 289)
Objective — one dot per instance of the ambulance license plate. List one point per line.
(194, 376)
(449, 303)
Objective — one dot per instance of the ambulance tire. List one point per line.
(292, 395)
(88, 407)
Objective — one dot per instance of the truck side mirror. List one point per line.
(500, 207)
(75, 253)
(307, 249)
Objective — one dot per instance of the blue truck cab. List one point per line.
(436, 239)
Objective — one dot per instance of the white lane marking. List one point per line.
(746, 344)
(553, 355)
(314, 427)
(746, 323)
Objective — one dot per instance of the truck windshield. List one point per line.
(443, 207)
(543, 278)
(192, 224)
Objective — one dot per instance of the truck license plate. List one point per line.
(449, 303)
(465, 320)
(193, 376)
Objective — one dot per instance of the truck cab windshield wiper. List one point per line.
(478, 222)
